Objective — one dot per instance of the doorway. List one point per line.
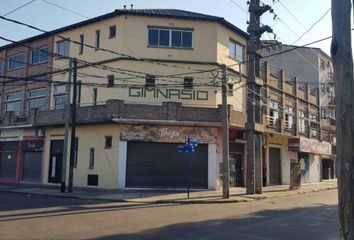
(274, 166)
(55, 161)
(236, 169)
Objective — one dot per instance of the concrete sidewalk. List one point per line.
(166, 196)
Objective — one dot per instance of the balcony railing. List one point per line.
(332, 101)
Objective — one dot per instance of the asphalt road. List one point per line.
(307, 216)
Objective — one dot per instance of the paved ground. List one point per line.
(303, 216)
(172, 196)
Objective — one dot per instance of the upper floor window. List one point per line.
(236, 50)
(37, 99)
(13, 103)
(273, 113)
(16, 61)
(188, 83)
(173, 38)
(40, 55)
(63, 48)
(322, 64)
(112, 31)
(60, 96)
(97, 43)
(150, 80)
(1, 65)
(81, 46)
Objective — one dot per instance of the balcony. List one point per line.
(328, 124)
(332, 101)
(272, 123)
(331, 79)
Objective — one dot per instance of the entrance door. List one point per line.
(327, 169)
(8, 160)
(236, 170)
(32, 166)
(274, 166)
(55, 161)
(305, 166)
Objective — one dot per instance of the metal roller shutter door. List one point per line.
(32, 166)
(8, 160)
(159, 165)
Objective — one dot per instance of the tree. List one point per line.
(342, 58)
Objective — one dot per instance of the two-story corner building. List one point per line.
(292, 128)
(314, 67)
(147, 79)
(25, 69)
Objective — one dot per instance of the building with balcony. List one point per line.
(147, 79)
(25, 69)
(314, 68)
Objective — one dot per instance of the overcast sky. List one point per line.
(294, 17)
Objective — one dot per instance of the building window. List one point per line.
(16, 61)
(59, 96)
(150, 80)
(13, 103)
(110, 81)
(112, 31)
(289, 117)
(188, 83)
(322, 64)
(63, 48)
(97, 43)
(94, 96)
(76, 153)
(37, 99)
(302, 122)
(108, 142)
(81, 46)
(230, 89)
(236, 51)
(40, 55)
(273, 113)
(92, 158)
(1, 65)
(173, 38)
(323, 113)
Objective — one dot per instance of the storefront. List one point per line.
(149, 157)
(309, 157)
(32, 156)
(9, 160)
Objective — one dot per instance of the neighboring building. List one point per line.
(130, 125)
(314, 68)
(25, 72)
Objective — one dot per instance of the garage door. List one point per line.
(32, 166)
(8, 160)
(159, 165)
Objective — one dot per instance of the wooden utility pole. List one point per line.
(342, 58)
(225, 136)
(66, 130)
(73, 127)
(254, 113)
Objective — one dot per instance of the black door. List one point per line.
(274, 166)
(159, 165)
(8, 160)
(236, 170)
(55, 161)
(327, 169)
(32, 166)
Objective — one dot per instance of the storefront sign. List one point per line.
(309, 146)
(162, 93)
(32, 145)
(168, 134)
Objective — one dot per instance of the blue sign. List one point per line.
(189, 146)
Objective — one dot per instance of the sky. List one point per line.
(293, 19)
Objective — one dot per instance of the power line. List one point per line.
(18, 8)
(96, 48)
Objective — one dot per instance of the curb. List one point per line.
(245, 198)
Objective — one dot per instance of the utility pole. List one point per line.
(73, 127)
(254, 114)
(66, 131)
(225, 136)
(342, 58)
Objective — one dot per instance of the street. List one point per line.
(304, 216)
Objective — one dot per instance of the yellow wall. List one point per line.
(210, 44)
(106, 160)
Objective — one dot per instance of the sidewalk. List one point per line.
(155, 196)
